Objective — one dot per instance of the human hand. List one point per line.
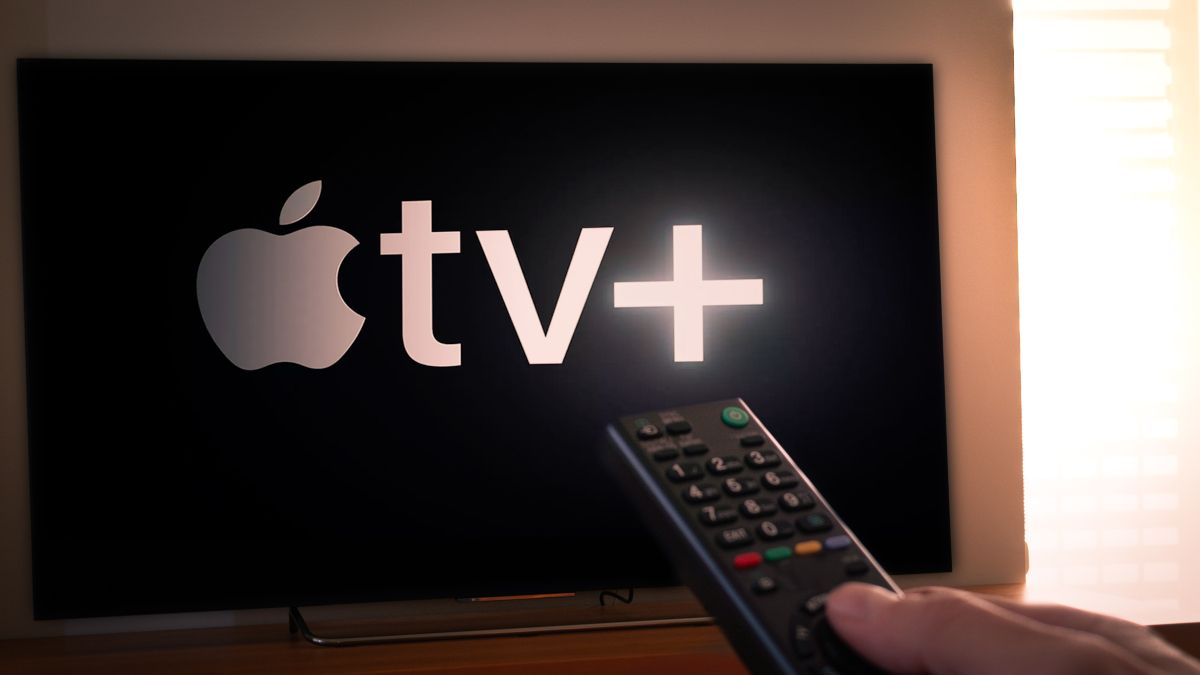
(948, 632)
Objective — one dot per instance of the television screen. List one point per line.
(309, 332)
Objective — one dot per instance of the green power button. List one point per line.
(735, 417)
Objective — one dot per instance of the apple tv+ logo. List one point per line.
(273, 298)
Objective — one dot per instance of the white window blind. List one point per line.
(1107, 123)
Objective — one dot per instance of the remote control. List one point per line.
(746, 530)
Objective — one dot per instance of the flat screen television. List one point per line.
(313, 332)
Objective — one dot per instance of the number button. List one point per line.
(775, 529)
(796, 501)
(698, 494)
(684, 471)
(717, 515)
(762, 460)
(719, 466)
(735, 487)
(777, 480)
(738, 536)
(757, 508)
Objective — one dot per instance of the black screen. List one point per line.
(175, 467)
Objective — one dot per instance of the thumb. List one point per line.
(945, 632)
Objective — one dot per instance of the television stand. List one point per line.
(297, 625)
(245, 648)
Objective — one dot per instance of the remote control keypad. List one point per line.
(764, 526)
(783, 526)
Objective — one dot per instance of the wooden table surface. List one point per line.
(268, 648)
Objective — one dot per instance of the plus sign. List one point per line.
(688, 293)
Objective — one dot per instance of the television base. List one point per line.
(298, 625)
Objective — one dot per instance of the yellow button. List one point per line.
(808, 547)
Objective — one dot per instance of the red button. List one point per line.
(746, 561)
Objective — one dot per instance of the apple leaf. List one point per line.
(301, 203)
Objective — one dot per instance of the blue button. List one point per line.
(840, 541)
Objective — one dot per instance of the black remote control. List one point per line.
(747, 531)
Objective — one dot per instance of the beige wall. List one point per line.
(968, 41)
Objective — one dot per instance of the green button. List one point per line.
(773, 554)
(735, 417)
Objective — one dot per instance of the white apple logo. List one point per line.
(268, 298)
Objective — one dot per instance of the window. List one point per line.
(1109, 249)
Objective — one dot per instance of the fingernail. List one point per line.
(858, 602)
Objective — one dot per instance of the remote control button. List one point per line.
(751, 441)
(678, 427)
(796, 501)
(814, 604)
(746, 561)
(693, 449)
(664, 454)
(738, 536)
(735, 417)
(775, 529)
(807, 547)
(764, 585)
(762, 460)
(698, 494)
(814, 522)
(837, 542)
(854, 565)
(648, 432)
(684, 471)
(802, 641)
(778, 553)
(778, 480)
(757, 508)
(719, 466)
(717, 515)
(735, 487)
